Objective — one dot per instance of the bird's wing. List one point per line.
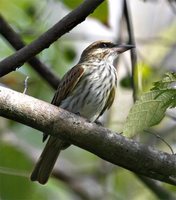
(109, 101)
(67, 84)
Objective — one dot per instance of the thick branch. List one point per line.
(44, 41)
(15, 40)
(104, 143)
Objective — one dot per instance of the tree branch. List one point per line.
(133, 54)
(77, 185)
(156, 188)
(45, 40)
(104, 143)
(15, 40)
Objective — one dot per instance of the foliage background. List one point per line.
(92, 178)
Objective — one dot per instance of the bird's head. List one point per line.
(103, 51)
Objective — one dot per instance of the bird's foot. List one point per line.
(98, 123)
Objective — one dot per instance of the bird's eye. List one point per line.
(103, 45)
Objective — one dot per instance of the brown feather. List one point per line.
(67, 84)
(109, 101)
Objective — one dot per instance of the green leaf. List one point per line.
(72, 4)
(167, 82)
(13, 177)
(101, 13)
(148, 111)
(126, 82)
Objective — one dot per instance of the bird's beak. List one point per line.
(124, 47)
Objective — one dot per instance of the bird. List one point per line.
(88, 89)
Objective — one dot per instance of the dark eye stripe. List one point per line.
(106, 45)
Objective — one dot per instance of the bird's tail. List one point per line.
(47, 160)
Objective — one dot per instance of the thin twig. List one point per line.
(66, 24)
(25, 85)
(162, 139)
(127, 15)
(15, 40)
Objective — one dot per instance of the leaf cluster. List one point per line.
(151, 107)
